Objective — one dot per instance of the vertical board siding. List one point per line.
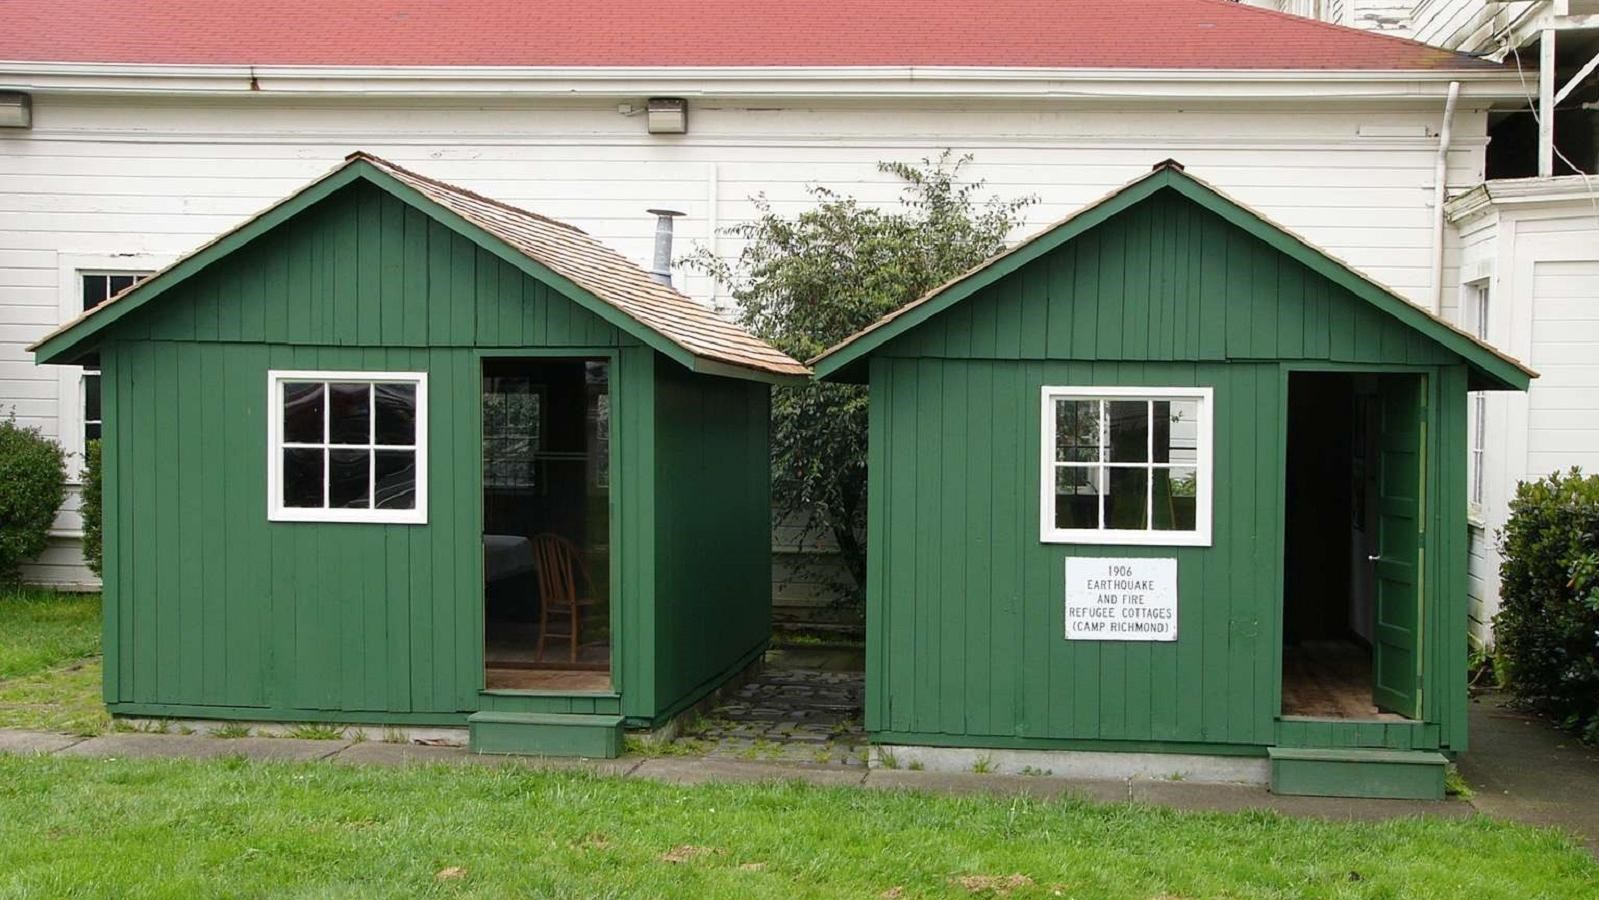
(712, 521)
(209, 605)
(965, 606)
(364, 269)
(1108, 294)
(987, 655)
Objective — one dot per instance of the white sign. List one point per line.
(1121, 599)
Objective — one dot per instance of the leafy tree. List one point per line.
(807, 282)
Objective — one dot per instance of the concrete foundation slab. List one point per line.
(428, 734)
(688, 770)
(1042, 787)
(23, 743)
(1080, 765)
(198, 746)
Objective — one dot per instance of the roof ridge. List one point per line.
(457, 189)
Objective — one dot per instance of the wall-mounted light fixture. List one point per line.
(667, 115)
(16, 110)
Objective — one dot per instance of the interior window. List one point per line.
(348, 447)
(1126, 465)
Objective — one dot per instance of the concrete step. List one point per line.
(1349, 772)
(545, 734)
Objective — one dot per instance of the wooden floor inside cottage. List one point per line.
(1330, 680)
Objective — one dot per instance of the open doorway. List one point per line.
(1352, 549)
(546, 525)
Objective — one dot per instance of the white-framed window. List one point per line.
(85, 281)
(347, 447)
(1476, 303)
(1126, 465)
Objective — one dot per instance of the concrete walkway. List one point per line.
(1521, 767)
(698, 770)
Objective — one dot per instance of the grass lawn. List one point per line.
(236, 828)
(180, 828)
(50, 662)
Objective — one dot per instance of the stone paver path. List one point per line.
(788, 715)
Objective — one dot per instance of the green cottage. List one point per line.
(395, 453)
(1165, 479)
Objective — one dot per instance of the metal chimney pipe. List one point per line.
(661, 268)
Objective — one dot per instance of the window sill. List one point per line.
(1127, 538)
(349, 517)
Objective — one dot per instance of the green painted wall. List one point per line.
(965, 603)
(211, 609)
(713, 515)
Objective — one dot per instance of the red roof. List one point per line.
(1093, 34)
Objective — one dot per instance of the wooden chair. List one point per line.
(560, 569)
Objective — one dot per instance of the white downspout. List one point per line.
(1440, 195)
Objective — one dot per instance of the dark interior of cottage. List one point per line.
(546, 525)
(1328, 583)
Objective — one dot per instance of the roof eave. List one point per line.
(1478, 82)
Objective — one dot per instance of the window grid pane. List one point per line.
(1167, 472)
(348, 472)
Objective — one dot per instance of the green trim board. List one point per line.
(1001, 742)
(353, 719)
(71, 341)
(1493, 370)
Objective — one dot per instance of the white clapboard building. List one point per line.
(1529, 240)
(130, 135)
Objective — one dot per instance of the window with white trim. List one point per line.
(347, 447)
(1477, 312)
(1126, 466)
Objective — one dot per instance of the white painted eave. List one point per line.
(734, 82)
(1521, 192)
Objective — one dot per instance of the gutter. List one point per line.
(1495, 83)
(1440, 195)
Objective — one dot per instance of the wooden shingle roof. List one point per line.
(651, 311)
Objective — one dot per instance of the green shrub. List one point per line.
(93, 543)
(1547, 630)
(33, 474)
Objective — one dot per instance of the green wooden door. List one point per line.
(1396, 638)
